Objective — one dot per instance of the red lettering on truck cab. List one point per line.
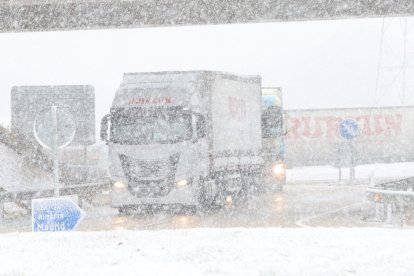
(150, 100)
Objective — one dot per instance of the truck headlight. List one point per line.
(181, 183)
(279, 170)
(119, 185)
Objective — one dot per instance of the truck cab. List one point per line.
(190, 138)
(156, 141)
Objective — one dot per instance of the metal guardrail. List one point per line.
(84, 191)
(404, 184)
(393, 200)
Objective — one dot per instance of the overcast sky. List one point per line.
(318, 64)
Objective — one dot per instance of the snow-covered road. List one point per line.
(238, 251)
(245, 244)
(338, 205)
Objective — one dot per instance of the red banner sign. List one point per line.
(237, 108)
(328, 126)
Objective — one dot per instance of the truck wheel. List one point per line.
(279, 188)
(220, 198)
(189, 209)
(133, 210)
(205, 202)
(124, 211)
(240, 198)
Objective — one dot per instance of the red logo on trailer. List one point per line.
(237, 108)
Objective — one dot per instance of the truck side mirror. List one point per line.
(199, 127)
(194, 122)
(104, 127)
(285, 121)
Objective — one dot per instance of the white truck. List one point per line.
(273, 140)
(186, 138)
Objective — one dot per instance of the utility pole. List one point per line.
(395, 70)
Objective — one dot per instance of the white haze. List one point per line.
(318, 64)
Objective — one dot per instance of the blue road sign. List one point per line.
(55, 214)
(349, 129)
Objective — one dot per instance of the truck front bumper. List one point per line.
(272, 184)
(183, 196)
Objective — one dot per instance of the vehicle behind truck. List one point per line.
(184, 138)
(273, 143)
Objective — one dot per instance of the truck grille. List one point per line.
(149, 177)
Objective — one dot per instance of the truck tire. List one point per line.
(206, 202)
(135, 210)
(279, 188)
(241, 197)
(124, 211)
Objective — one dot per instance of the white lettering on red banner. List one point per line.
(150, 100)
(328, 126)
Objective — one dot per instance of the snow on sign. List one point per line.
(43, 128)
(55, 214)
(349, 129)
(78, 100)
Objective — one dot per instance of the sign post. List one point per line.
(339, 163)
(54, 129)
(349, 130)
(55, 152)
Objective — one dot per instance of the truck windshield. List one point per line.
(272, 125)
(150, 125)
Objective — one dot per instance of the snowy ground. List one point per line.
(311, 251)
(224, 251)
